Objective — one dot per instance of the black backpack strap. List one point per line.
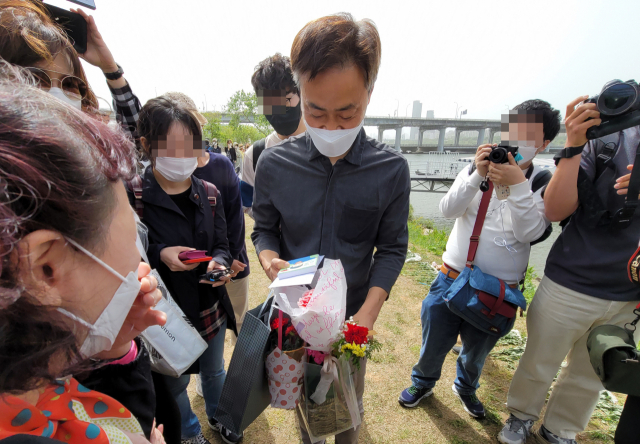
(135, 186)
(212, 195)
(540, 181)
(258, 148)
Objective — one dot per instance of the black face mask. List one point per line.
(286, 124)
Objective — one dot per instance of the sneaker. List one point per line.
(515, 431)
(551, 438)
(198, 439)
(456, 349)
(227, 435)
(412, 396)
(199, 386)
(471, 404)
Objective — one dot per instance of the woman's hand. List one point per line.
(223, 280)
(169, 256)
(97, 53)
(236, 268)
(140, 317)
(157, 436)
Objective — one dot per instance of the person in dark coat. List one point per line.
(184, 213)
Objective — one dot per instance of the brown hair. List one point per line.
(57, 166)
(337, 40)
(28, 36)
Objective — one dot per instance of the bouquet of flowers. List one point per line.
(355, 343)
(284, 363)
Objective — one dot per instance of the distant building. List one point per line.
(431, 114)
(417, 113)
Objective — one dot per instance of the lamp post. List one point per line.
(206, 105)
(397, 106)
(457, 108)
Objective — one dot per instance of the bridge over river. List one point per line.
(472, 132)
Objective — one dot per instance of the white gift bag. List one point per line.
(175, 346)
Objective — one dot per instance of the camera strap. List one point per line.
(477, 228)
(623, 217)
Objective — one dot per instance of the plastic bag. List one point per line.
(339, 411)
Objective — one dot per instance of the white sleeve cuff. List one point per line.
(520, 190)
(475, 179)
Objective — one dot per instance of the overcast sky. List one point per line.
(484, 55)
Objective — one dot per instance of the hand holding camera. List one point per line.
(482, 158)
(506, 173)
(579, 120)
(216, 275)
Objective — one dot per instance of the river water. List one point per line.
(426, 205)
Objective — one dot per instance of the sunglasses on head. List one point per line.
(72, 86)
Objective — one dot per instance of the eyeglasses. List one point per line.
(72, 86)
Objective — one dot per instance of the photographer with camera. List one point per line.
(514, 219)
(585, 282)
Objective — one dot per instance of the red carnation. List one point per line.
(290, 329)
(356, 334)
(276, 323)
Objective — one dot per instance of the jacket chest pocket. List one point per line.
(357, 225)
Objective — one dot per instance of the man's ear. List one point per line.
(42, 254)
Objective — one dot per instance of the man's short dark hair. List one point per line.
(274, 73)
(206, 142)
(550, 117)
(337, 41)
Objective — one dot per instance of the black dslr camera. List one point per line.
(499, 154)
(619, 107)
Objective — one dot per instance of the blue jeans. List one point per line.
(440, 330)
(212, 375)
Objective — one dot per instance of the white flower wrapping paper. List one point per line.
(320, 321)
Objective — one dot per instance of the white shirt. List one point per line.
(516, 221)
(248, 174)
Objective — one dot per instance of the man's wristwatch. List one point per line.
(114, 75)
(567, 153)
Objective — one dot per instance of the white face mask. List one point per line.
(60, 95)
(104, 331)
(527, 150)
(333, 143)
(176, 169)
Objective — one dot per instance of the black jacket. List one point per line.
(168, 227)
(130, 384)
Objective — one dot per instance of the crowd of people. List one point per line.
(82, 201)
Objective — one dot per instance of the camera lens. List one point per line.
(616, 99)
(498, 155)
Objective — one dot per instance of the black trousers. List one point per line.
(167, 411)
(628, 431)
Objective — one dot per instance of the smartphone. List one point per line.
(74, 24)
(215, 275)
(194, 256)
(86, 3)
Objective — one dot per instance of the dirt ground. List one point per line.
(438, 419)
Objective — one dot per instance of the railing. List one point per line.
(442, 166)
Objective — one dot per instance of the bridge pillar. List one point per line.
(491, 134)
(481, 136)
(441, 132)
(420, 136)
(456, 141)
(398, 137)
(380, 134)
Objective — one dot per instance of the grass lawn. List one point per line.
(438, 419)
